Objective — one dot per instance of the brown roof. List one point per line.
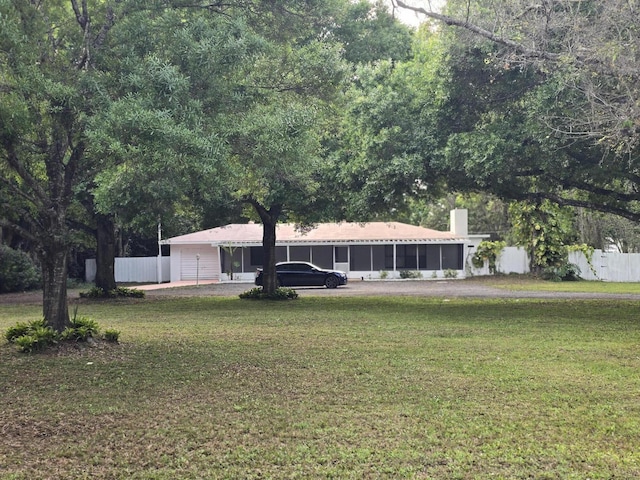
(374, 232)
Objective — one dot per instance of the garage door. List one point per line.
(199, 263)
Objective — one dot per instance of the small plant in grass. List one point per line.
(33, 336)
(111, 336)
(37, 335)
(281, 293)
(80, 329)
(118, 292)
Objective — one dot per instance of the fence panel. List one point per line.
(510, 260)
(133, 269)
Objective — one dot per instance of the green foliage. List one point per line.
(370, 33)
(118, 292)
(32, 336)
(17, 272)
(16, 331)
(383, 274)
(112, 335)
(450, 273)
(543, 229)
(588, 252)
(38, 335)
(280, 293)
(567, 272)
(410, 274)
(488, 252)
(80, 329)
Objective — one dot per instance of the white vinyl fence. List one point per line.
(134, 270)
(510, 260)
(607, 267)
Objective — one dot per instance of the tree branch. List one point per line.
(528, 52)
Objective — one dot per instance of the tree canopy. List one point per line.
(549, 105)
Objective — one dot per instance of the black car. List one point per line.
(298, 274)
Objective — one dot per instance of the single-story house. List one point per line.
(363, 250)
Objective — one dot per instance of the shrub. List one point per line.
(568, 272)
(450, 273)
(80, 329)
(97, 292)
(410, 274)
(17, 272)
(37, 335)
(18, 330)
(384, 274)
(281, 293)
(111, 336)
(128, 292)
(33, 336)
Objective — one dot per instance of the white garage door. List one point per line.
(199, 263)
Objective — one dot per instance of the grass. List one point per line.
(528, 282)
(330, 387)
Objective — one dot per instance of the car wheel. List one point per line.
(331, 281)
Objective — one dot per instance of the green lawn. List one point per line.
(526, 282)
(329, 387)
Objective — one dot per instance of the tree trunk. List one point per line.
(55, 264)
(269, 221)
(105, 253)
(269, 275)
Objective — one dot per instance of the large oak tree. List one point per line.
(546, 100)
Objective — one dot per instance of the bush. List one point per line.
(33, 336)
(118, 292)
(80, 329)
(111, 336)
(450, 273)
(568, 272)
(37, 335)
(18, 330)
(17, 272)
(281, 293)
(410, 274)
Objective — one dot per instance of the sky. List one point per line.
(410, 17)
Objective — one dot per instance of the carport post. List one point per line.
(197, 269)
(159, 262)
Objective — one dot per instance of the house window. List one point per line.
(342, 254)
(360, 258)
(256, 255)
(406, 257)
(452, 257)
(379, 257)
(299, 254)
(388, 257)
(432, 257)
(321, 256)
